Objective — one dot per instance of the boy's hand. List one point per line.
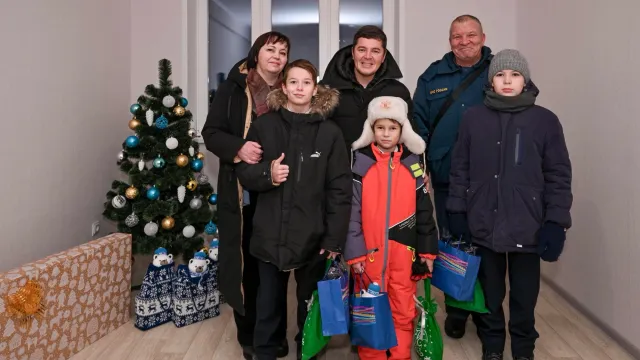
(429, 263)
(358, 267)
(332, 255)
(279, 172)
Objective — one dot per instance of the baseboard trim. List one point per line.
(614, 334)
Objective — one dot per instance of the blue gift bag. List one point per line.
(455, 271)
(154, 305)
(195, 299)
(372, 321)
(333, 295)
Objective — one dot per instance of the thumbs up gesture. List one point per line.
(279, 172)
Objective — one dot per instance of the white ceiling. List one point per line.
(289, 12)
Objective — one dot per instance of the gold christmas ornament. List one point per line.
(168, 223)
(200, 156)
(192, 184)
(134, 123)
(26, 304)
(131, 192)
(178, 110)
(182, 160)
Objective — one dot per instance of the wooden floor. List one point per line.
(564, 334)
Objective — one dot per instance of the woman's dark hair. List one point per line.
(370, 32)
(270, 37)
(302, 64)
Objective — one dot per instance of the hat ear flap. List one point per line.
(365, 139)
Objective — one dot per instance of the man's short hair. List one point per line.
(465, 18)
(371, 32)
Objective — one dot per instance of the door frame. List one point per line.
(195, 47)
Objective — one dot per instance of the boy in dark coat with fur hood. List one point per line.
(302, 215)
(510, 192)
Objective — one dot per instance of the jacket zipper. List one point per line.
(518, 150)
(300, 161)
(386, 222)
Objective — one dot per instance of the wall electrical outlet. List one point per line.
(95, 227)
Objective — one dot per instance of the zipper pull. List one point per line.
(391, 166)
(413, 253)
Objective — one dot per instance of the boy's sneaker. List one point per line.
(283, 349)
(492, 356)
(455, 328)
(523, 357)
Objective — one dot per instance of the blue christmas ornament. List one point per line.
(132, 141)
(197, 164)
(162, 122)
(135, 108)
(158, 162)
(184, 102)
(210, 228)
(214, 243)
(213, 199)
(153, 193)
(160, 251)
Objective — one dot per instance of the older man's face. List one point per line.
(466, 40)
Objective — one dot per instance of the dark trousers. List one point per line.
(272, 305)
(440, 195)
(524, 282)
(250, 282)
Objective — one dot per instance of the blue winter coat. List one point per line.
(510, 173)
(434, 86)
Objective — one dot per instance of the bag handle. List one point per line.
(361, 282)
(454, 96)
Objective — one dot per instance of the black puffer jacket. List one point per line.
(310, 210)
(351, 113)
(511, 173)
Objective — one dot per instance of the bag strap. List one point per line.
(455, 94)
(427, 288)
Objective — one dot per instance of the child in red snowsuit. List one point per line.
(392, 226)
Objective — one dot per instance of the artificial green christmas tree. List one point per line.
(167, 200)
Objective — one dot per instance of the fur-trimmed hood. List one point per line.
(322, 104)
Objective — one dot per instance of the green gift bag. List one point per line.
(312, 339)
(476, 305)
(427, 336)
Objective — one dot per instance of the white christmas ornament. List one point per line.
(118, 202)
(151, 229)
(149, 115)
(188, 231)
(181, 192)
(191, 150)
(168, 101)
(141, 165)
(171, 143)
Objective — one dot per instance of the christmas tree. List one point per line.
(166, 201)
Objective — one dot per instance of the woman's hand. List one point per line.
(250, 152)
(429, 263)
(358, 267)
(279, 172)
(332, 255)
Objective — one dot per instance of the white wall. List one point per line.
(65, 75)
(585, 61)
(424, 30)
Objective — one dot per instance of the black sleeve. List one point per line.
(255, 177)
(425, 223)
(556, 168)
(216, 132)
(406, 96)
(459, 175)
(338, 194)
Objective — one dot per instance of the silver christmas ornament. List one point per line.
(195, 203)
(203, 179)
(188, 231)
(118, 202)
(192, 133)
(149, 115)
(121, 156)
(191, 150)
(171, 143)
(168, 101)
(131, 220)
(141, 165)
(181, 192)
(151, 229)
